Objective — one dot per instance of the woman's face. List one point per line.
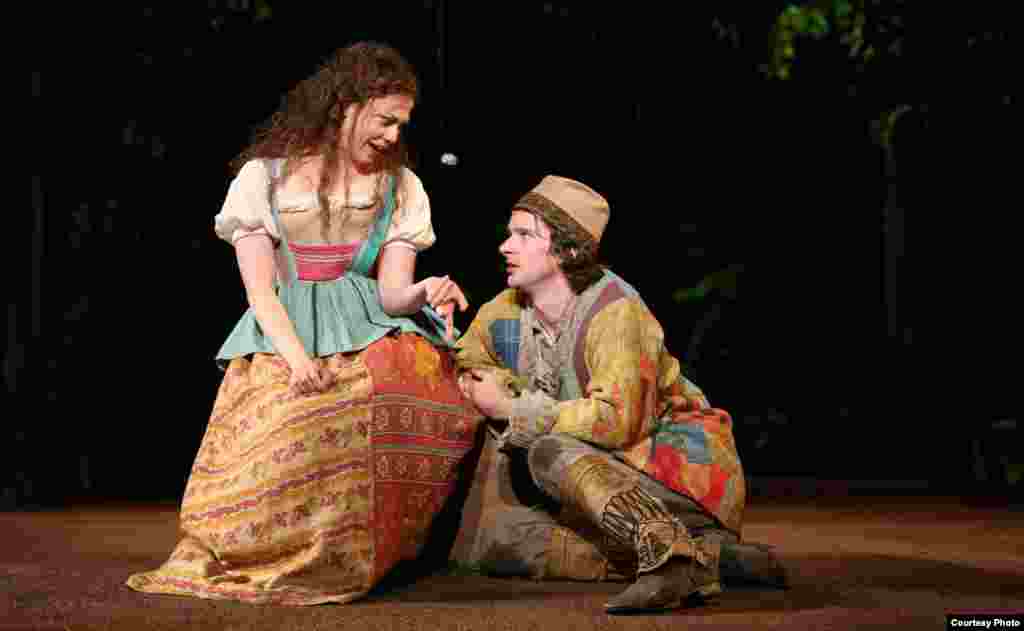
(368, 133)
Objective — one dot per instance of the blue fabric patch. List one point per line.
(688, 438)
(505, 336)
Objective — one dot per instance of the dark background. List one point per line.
(871, 333)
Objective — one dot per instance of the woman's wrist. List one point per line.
(294, 358)
(422, 291)
(273, 319)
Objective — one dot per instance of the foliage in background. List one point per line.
(890, 57)
(869, 33)
(861, 43)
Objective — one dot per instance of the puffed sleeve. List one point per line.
(246, 209)
(411, 227)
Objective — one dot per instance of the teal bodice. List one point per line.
(333, 316)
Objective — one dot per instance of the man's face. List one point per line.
(373, 129)
(526, 250)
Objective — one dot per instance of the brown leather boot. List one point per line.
(669, 586)
(671, 566)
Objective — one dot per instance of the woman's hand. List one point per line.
(307, 377)
(443, 295)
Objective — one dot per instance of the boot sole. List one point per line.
(705, 591)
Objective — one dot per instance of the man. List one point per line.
(610, 463)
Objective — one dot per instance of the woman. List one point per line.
(336, 432)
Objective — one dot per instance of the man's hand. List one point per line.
(486, 392)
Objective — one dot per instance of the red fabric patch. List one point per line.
(422, 428)
(666, 465)
(719, 478)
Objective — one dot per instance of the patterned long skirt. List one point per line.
(306, 499)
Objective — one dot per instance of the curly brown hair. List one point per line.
(309, 119)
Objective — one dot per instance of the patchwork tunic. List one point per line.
(609, 382)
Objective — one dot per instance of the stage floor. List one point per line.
(854, 562)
